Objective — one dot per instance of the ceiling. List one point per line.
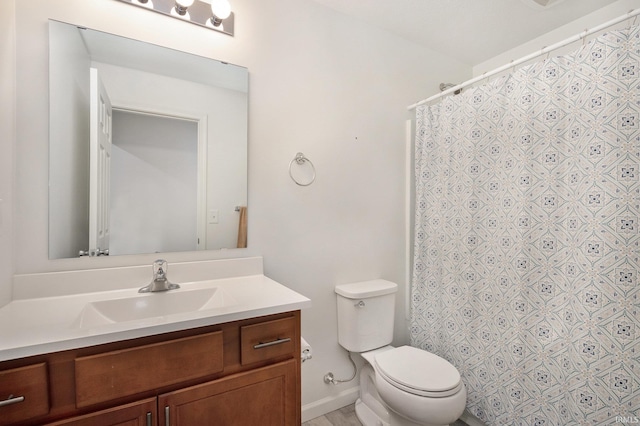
(471, 31)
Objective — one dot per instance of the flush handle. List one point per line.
(360, 304)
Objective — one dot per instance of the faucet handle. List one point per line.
(160, 267)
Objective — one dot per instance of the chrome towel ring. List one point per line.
(300, 159)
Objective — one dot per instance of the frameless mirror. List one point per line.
(147, 147)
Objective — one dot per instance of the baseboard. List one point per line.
(329, 404)
(470, 419)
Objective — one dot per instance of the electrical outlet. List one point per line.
(213, 216)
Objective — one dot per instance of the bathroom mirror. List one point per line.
(147, 147)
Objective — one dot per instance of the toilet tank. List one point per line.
(366, 314)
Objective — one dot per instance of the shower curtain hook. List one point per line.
(584, 37)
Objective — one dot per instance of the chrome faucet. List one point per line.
(160, 281)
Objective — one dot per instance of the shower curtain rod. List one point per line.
(573, 39)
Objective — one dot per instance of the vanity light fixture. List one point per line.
(213, 14)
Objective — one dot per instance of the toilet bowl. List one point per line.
(401, 386)
(418, 387)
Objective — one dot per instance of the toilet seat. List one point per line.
(418, 372)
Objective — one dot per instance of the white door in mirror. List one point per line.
(99, 166)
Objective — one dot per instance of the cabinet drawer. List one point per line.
(116, 374)
(24, 393)
(267, 340)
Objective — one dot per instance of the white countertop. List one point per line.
(34, 326)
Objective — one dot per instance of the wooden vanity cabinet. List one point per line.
(238, 373)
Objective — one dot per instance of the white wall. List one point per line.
(69, 182)
(154, 175)
(591, 20)
(7, 144)
(331, 87)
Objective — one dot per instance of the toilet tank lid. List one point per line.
(364, 289)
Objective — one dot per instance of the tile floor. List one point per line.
(346, 416)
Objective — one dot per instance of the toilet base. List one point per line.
(372, 411)
(367, 416)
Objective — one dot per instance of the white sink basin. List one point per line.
(151, 305)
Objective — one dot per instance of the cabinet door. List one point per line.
(141, 413)
(265, 396)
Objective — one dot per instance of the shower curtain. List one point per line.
(526, 254)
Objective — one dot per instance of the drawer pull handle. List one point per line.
(167, 416)
(149, 419)
(273, 342)
(11, 400)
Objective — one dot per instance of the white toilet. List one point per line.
(399, 386)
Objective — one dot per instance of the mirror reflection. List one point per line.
(147, 147)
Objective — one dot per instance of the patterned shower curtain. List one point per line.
(526, 238)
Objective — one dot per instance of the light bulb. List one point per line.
(182, 6)
(221, 9)
(210, 24)
(184, 15)
(146, 3)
